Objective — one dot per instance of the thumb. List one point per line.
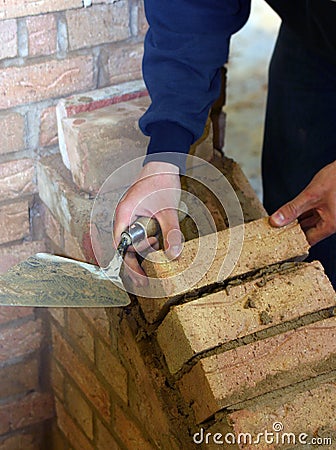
(172, 236)
(291, 210)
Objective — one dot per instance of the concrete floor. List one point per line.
(251, 49)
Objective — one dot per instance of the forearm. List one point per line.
(185, 47)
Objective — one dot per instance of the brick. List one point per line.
(10, 314)
(122, 63)
(105, 440)
(100, 321)
(80, 333)
(42, 35)
(13, 132)
(70, 207)
(225, 316)
(17, 8)
(19, 378)
(128, 431)
(14, 254)
(71, 431)
(79, 409)
(17, 178)
(27, 441)
(48, 127)
(53, 228)
(32, 409)
(92, 135)
(20, 340)
(8, 39)
(142, 21)
(92, 100)
(112, 370)
(145, 385)
(100, 24)
(219, 381)
(85, 379)
(58, 315)
(310, 412)
(71, 247)
(57, 379)
(14, 221)
(44, 80)
(201, 262)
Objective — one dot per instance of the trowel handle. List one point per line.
(145, 227)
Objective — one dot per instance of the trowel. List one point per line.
(54, 281)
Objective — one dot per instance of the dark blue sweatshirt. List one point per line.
(186, 45)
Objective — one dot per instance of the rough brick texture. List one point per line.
(243, 309)
(201, 260)
(8, 30)
(98, 141)
(260, 367)
(17, 8)
(13, 133)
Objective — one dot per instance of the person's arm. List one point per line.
(185, 47)
(314, 207)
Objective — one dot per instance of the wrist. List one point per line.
(157, 167)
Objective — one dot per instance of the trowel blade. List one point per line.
(53, 281)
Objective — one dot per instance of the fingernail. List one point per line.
(278, 217)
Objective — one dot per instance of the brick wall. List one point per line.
(48, 50)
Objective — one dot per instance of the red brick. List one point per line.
(19, 378)
(17, 178)
(8, 39)
(79, 409)
(14, 222)
(18, 8)
(42, 35)
(128, 431)
(20, 340)
(80, 333)
(49, 79)
(98, 25)
(13, 254)
(12, 132)
(53, 228)
(112, 370)
(93, 100)
(22, 441)
(219, 381)
(105, 440)
(58, 315)
(32, 409)
(71, 247)
(201, 261)
(48, 127)
(10, 313)
(82, 375)
(72, 432)
(311, 412)
(122, 62)
(90, 137)
(142, 21)
(228, 315)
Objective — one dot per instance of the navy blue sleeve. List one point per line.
(186, 45)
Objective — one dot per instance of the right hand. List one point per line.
(156, 193)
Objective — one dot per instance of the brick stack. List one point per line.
(48, 50)
(227, 357)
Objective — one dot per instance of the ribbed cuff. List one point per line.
(169, 143)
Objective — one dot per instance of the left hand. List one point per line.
(314, 207)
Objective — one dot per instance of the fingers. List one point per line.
(292, 210)
(172, 236)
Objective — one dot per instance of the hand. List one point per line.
(314, 207)
(156, 193)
